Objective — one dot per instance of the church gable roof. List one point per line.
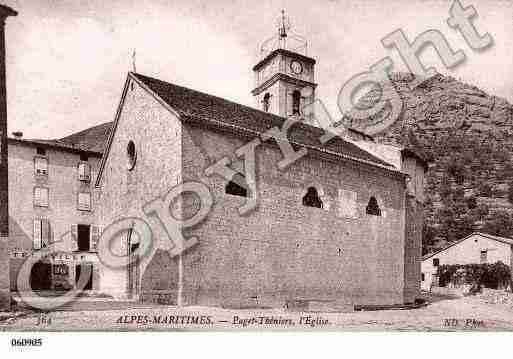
(197, 106)
(211, 111)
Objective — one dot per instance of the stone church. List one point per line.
(338, 226)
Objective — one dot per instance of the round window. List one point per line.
(131, 153)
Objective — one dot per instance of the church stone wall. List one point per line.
(123, 193)
(280, 252)
(284, 251)
(413, 249)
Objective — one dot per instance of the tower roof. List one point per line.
(283, 52)
(284, 39)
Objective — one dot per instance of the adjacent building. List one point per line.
(52, 204)
(476, 248)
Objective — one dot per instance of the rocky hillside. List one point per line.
(468, 136)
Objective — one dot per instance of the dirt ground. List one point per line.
(442, 314)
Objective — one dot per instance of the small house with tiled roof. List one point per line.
(476, 248)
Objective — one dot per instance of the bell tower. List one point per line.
(284, 74)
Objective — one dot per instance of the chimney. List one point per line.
(5, 297)
(17, 134)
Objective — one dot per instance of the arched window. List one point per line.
(312, 199)
(266, 102)
(131, 154)
(373, 207)
(237, 186)
(296, 102)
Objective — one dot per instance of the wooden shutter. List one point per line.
(74, 237)
(87, 171)
(37, 234)
(45, 233)
(81, 171)
(44, 197)
(41, 165)
(84, 201)
(37, 196)
(95, 237)
(84, 171)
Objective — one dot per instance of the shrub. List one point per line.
(494, 276)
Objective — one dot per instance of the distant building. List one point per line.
(475, 248)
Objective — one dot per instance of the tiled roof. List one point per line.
(505, 240)
(91, 139)
(206, 109)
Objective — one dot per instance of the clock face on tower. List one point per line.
(296, 67)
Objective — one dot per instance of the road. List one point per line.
(462, 314)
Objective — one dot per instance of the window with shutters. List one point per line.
(41, 196)
(85, 237)
(484, 256)
(84, 201)
(84, 172)
(41, 235)
(41, 166)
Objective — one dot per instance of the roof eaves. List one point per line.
(54, 145)
(108, 145)
(245, 130)
(496, 238)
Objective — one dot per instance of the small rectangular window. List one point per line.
(41, 151)
(484, 256)
(41, 196)
(84, 201)
(84, 172)
(436, 262)
(422, 277)
(41, 166)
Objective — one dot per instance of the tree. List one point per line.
(500, 225)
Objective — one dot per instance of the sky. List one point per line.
(67, 60)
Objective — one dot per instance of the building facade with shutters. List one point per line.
(52, 204)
